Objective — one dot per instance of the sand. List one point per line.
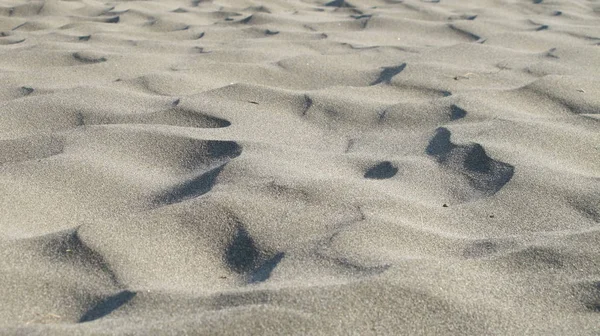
(301, 167)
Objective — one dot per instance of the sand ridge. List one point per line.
(305, 167)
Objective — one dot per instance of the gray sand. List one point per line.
(237, 167)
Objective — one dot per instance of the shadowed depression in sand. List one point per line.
(309, 167)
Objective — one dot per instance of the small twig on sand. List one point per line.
(465, 76)
(48, 318)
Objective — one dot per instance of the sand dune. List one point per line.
(305, 167)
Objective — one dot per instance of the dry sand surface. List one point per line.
(372, 167)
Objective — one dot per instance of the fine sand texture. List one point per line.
(300, 167)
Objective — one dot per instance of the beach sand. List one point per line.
(301, 167)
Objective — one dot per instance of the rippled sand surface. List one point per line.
(238, 167)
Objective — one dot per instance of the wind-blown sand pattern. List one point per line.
(305, 167)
